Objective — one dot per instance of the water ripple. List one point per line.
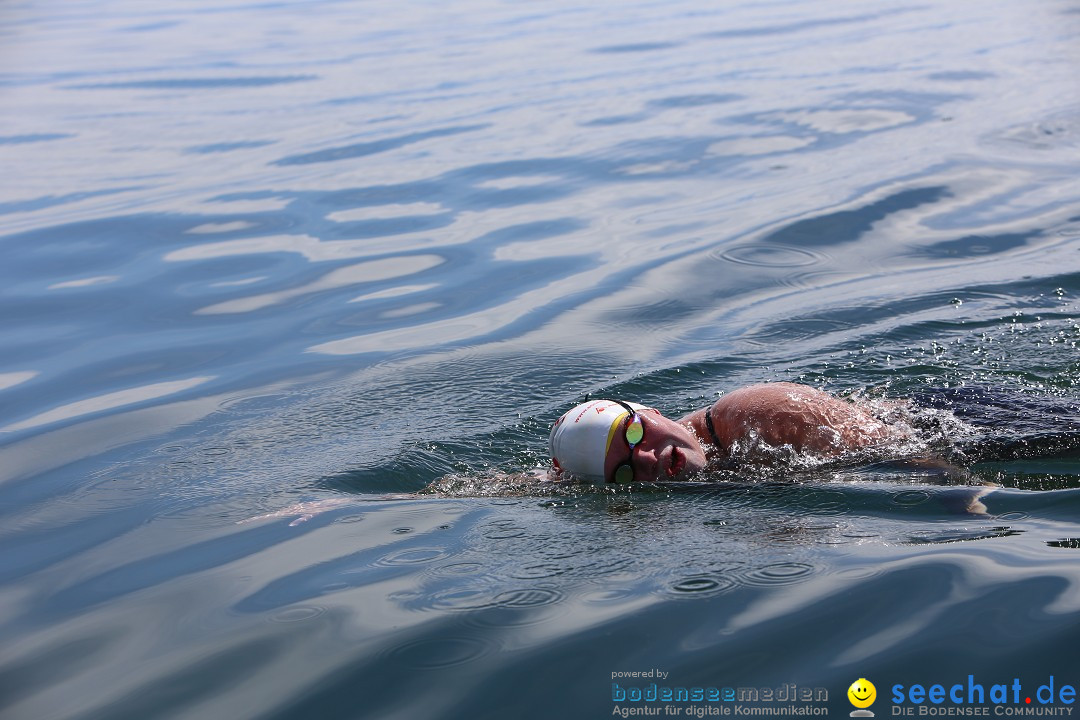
(194, 83)
(766, 255)
(413, 556)
(700, 585)
(636, 47)
(529, 597)
(539, 571)
(439, 653)
(909, 498)
(298, 613)
(347, 152)
(460, 599)
(784, 573)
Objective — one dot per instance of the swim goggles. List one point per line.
(635, 433)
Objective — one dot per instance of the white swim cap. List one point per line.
(580, 439)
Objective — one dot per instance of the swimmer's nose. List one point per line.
(647, 463)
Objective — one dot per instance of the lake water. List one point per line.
(257, 254)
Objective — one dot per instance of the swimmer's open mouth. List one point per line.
(678, 462)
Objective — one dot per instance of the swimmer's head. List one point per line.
(591, 442)
(580, 439)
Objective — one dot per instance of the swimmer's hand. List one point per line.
(307, 510)
(967, 500)
(948, 470)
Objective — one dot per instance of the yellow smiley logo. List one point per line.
(862, 693)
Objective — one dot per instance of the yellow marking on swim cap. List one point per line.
(611, 432)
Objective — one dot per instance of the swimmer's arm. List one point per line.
(448, 486)
(304, 511)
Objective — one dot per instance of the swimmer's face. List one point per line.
(667, 451)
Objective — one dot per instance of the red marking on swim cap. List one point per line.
(556, 464)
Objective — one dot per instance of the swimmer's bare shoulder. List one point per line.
(784, 413)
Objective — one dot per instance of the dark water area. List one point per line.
(291, 292)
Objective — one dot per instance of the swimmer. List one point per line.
(615, 441)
